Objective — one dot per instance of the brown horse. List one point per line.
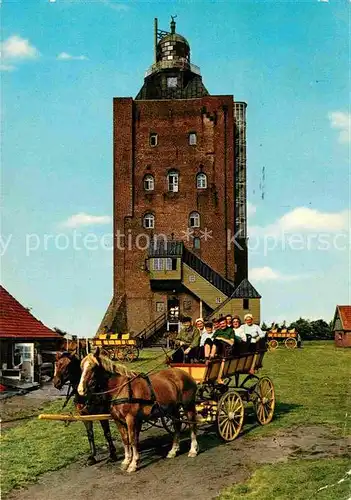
(137, 397)
(67, 370)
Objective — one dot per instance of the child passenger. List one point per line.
(206, 341)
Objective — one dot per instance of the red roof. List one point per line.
(345, 316)
(17, 322)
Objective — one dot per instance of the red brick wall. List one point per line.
(172, 120)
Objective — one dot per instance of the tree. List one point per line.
(264, 327)
(303, 327)
(321, 329)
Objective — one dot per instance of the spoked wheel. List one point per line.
(131, 353)
(272, 345)
(168, 422)
(119, 353)
(264, 400)
(291, 343)
(230, 415)
(107, 352)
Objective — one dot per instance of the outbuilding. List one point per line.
(342, 326)
(22, 339)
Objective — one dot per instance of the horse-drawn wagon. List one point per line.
(276, 337)
(222, 404)
(118, 346)
(175, 398)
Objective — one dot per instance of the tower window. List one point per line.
(153, 140)
(149, 221)
(171, 264)
(149, 182)
(196, 243)
(173, 181)
(194, 219)
(192, 139)
(172, 82)
(245, 304)
(201, 181)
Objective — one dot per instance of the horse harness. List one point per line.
(131, 400)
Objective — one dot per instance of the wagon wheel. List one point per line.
(131, 353)
(119, 353)
(230, 415)
(168, 423)
(272, 344)
(264, 400)
(107, 352)
(290, 343)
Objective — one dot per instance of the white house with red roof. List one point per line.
(22, 337)
(342, 326)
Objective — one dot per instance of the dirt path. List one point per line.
(217, 466)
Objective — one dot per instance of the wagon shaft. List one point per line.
(75, 418)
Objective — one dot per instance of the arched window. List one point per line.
(149, 182)
(149, 221)
(173, 181)
(201, 181)
(194, 219)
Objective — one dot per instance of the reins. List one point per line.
(134, 377)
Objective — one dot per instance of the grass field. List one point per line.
(312, 387)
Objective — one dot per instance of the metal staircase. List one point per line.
(152, 328)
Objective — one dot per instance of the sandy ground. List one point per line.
(217, 466)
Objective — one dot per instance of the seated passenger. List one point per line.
(187, 340)
(206, 342)
(253, 331)
(223, 339)
(229, 320)
(241, 341)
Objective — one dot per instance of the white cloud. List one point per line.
(251, 209)
(16, 47)
(342, 122)
(268, 274)
(121, 7)
(64, 56)
(302, 220)
(83, 219)
(7, 67)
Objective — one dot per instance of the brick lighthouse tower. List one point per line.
(179, 199)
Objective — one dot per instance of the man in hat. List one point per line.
(188, 340)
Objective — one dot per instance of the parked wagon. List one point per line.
(118, 346)
(282, 337)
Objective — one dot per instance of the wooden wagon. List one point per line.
(284, 336)
(222, 404)
(118, 346)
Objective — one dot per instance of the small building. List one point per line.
(22, 339)
(342, 326)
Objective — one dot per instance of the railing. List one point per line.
(208, 273)
(218, 308)
(152, 328)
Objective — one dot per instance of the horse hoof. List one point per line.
(124, 465)
(192, 454)
(112, 458)
(132, 468)
(171, 454)
(91, 461)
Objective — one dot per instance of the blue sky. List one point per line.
(64, 61)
